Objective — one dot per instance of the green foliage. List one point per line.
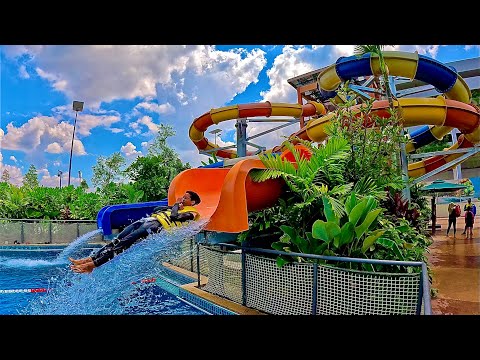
(469, 190)
(374, 143)
(211, 160)
(351, 234)
(30, 180)
(476, 97)
(439, 145)
(108, 170)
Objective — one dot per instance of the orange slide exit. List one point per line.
(227, 194)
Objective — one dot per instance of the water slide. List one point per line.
(227, 192)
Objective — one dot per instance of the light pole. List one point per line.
(59, 174)
(216, 131)
(77, 106)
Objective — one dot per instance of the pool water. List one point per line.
(28, 276)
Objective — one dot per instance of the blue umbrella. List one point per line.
(435, 188)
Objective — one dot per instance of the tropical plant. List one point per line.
(351, 234)
(30, 180)
(108, 170)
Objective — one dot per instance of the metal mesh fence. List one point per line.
(45, 232)
(351, 292)
(289, 290)
(225, 273)
(279, 291)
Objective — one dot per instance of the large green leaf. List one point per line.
(350, 203)
(357, 212)
(328, 211)
(319, 230)
(301, 243)
(369, 219)
(278, 245)
(325, 231)
(371, 204)
(281, 261)
(290, 231)
(346, 235)
(385, 242)
(370, 240)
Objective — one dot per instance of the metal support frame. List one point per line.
(241, 126)
(472, 150)
(443, 167)
(457, 172)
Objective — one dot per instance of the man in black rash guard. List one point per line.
(163, 217)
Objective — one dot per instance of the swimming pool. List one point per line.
(37, 280)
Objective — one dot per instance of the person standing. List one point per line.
(469, 220)
(452, 218)
(471, 206)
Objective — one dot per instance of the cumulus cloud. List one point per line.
(165, 109)
(129, 150)
(38, 134)
(13, 158)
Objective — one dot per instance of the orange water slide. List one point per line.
(227, 194)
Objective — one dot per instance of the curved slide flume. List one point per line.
(456, 111)
(265, 109)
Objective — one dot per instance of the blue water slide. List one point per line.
(120, 215)
(433, 72)
(353, 66)
(422, 136)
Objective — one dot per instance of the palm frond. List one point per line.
(260, 175)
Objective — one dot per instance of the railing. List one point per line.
(313, 288)
(41, 231)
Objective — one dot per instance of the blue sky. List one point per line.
(129, 90)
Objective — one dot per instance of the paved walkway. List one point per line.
(455, 263)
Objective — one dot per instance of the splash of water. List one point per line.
(76, 245)
(109, 289)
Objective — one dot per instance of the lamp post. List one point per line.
(59, 174)
(216, 131)
(77, 106)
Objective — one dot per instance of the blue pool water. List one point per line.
(40, 282)
(27, 276)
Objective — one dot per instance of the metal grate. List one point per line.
(351, 292)
(289, 290)
(279, 291)
(225, 274)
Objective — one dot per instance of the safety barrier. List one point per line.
(249, 277)
(39, 231)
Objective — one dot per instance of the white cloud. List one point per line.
(165, 109)
(54, 148)
(37, 134)
(129, 150)
(14, 159)
(14, 172)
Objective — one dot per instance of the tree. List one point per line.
(5, 176)
(153, 173)
(31, 178)
(108, 170)
(84, 184)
